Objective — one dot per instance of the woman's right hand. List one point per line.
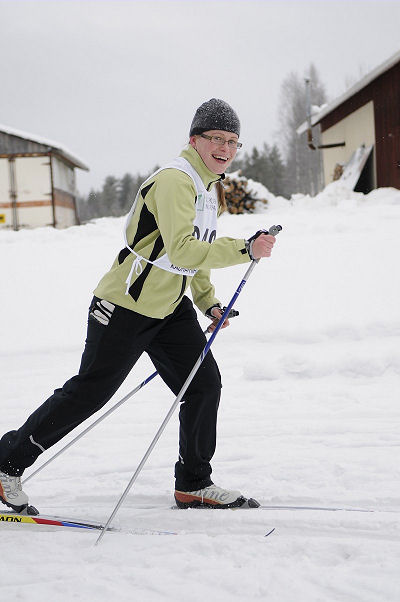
(262, 246)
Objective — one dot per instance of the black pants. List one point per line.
(173, 344)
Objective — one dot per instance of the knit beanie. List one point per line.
(215, 114)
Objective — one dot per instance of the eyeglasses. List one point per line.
(220, 141)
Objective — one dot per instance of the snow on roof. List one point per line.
(315, 110)
(51, 143)
(362, 83)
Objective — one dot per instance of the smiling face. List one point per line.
(216, 157)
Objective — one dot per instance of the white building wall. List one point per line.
(33, 179)
(33, 190)
(63, 176)
(65, 190)
(65, 217)
(356, 129)
(34, 193)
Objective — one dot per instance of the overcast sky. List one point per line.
(117, 82)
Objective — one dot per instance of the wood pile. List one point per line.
(338, 172)
(239, 198)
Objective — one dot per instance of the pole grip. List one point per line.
(274, 230)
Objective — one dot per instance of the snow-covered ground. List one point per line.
(309, 417)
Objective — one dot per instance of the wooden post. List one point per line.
(53, 203)
(13, 193)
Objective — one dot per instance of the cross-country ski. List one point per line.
(57, 521)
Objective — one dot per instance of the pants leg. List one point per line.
(110, 353)
(174, 351)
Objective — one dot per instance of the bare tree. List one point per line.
(303, 165)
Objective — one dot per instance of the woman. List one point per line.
(139, 305)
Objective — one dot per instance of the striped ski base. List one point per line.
(55, 521)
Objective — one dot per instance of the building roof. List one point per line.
(362, 83)
(54, 146)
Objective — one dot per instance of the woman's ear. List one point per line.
(192, 141)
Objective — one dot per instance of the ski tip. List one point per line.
(252, 503)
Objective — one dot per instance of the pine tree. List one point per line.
(108, 201)
(265, 166)
(127, 192)
(277, 172)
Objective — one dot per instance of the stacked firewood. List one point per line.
(239, 197)
(338, 172)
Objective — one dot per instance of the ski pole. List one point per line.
(91, 426)
(103, 416)
(274, 231)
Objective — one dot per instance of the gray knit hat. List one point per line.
(215, 114)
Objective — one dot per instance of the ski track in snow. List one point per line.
(309, 417)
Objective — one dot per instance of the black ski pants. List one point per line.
(173, 344)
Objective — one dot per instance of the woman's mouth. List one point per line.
(220, 159)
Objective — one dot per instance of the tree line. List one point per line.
(114, 199)
(285, 168)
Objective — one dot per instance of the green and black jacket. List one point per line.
(163, 223)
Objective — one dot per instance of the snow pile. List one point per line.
(257, 193)
(257, 190)
(309, 417)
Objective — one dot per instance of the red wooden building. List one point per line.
(367, 115)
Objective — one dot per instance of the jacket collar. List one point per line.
(208, 177)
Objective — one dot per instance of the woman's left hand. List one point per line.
(217, 313)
